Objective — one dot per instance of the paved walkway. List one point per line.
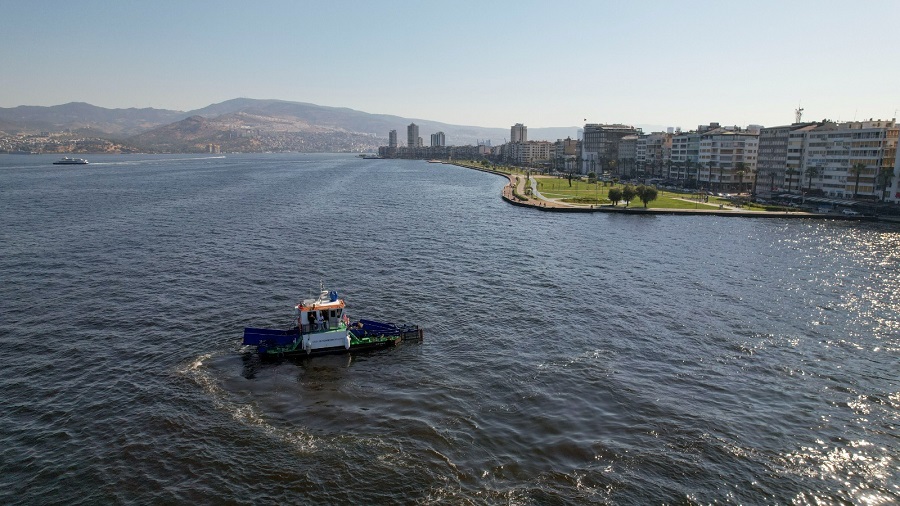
(708, 206)
(517, 182)
(535, 199)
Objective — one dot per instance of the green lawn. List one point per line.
(578, 192)
(581, 192)
(670, 200)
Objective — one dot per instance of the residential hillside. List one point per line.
(81, 117)
(246, 125)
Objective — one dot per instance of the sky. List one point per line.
(545, 64)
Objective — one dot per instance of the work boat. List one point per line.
(324, 327)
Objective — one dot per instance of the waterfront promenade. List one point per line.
(516, 193)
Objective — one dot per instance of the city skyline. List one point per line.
(671, 65)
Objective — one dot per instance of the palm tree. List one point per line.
(885, 175)
(709, 167)
(811, 172)
(790, 177)
(740, 168)
(857, 170)
(697, 166)
(721, 172)
(755, 179)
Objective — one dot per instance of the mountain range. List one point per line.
(247, 125)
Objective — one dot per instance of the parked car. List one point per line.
(849, 212)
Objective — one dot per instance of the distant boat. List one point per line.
(71, 161)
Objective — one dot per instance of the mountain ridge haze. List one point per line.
(224, 121)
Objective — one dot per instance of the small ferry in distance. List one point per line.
(322, 326)
(71, 161)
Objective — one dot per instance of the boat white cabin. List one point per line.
(323, 313)
(322, 322)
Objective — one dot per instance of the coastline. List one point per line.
(514, 193)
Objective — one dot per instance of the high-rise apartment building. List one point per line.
(686, 155)
(728, 157)
(779, 157)
(844, 160)
(518, 133)
(412, 136)
(840, 160)
(716, 157)
(438, 139)
(392, 139)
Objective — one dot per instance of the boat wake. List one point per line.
(157, 160)
(198, 371)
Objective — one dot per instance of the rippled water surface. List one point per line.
(568, 358)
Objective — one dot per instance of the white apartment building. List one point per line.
(894, 189)
(528, 153)
(686, 155)
(713, 156)
(653, 153)
(728, 158)
(640, 148)
(844, 160)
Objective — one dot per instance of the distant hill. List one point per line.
(248, 124)
(246, 132)
(376, 124)
(81, 116)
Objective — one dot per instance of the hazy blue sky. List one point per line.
(486, 63)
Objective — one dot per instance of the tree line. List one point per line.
(627, 193)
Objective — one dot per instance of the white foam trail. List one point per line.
(243, 413)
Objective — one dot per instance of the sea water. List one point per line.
(585, 358)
